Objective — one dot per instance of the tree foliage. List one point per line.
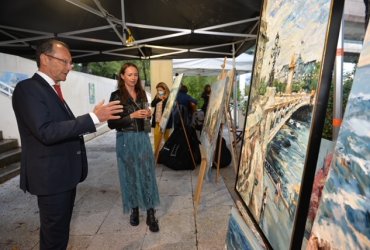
(195, 85)
(111, 69)
(328, 125)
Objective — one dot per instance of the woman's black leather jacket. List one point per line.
(125, 123)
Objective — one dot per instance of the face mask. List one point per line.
(160, 93)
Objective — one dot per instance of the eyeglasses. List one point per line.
(65, 62)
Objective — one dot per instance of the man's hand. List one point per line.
(107, 111)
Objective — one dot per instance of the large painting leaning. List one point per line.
(285, 90)
(343, 219)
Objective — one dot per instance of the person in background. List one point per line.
(187, 106)
(135, 157)
(205, 95)
(53, 157)
(159, 102)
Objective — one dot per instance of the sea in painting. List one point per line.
(285, 79)
(321, 174)
(239, 236)
(343, 218)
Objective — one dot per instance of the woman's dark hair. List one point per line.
(140, 92)
(46, 47)
(183, 88)
(207, 89)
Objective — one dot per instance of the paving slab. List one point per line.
(98, 221)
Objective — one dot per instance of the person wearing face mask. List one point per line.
(158, 103)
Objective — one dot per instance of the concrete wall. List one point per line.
(75, 90)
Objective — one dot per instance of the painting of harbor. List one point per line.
(284, 83)
(343, 218)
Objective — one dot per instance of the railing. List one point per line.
(6, 89)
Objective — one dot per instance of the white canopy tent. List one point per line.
(211, 67)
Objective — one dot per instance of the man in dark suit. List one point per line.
(53, 158)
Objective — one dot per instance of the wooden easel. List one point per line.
(203, 165)
(172, 96)
(158, 147)
(186, 135)
(230, 128)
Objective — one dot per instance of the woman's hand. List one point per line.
(141, 114)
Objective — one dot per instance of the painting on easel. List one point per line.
(342, 221)
(212, 119)
(170, 103)
(287, 104)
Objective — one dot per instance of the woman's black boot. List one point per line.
(151, 221)
(134, 217)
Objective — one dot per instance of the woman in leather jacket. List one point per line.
(135, 157)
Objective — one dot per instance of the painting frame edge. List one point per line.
(318, 119)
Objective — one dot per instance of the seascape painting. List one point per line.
(285, 81)
(239, 236)
(212, 119)
(170, 102)
(343, 218)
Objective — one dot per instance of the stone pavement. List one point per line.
(98, 221)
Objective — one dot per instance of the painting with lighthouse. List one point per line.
(285, 86)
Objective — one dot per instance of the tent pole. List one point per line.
(123, 19)
(338, 85)
(235, 92)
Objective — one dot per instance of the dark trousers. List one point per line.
(55, 217)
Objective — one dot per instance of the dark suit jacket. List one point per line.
(53, 151)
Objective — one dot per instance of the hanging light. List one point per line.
(130, 40)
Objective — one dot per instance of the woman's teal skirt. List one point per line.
(136, 168)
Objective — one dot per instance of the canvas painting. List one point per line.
(170, 102)
(212, 119)
(343, 219)
(91, 92)
(282, 104)
(239, 236)
(321, 174)
(8, 80)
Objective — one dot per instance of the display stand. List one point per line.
(217, 163)
(204, 163)
(201, 174)
(186, 136)
(158, 147)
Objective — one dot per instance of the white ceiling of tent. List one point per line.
(213, 66)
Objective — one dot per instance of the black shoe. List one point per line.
(134, 217)
(151, 221)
